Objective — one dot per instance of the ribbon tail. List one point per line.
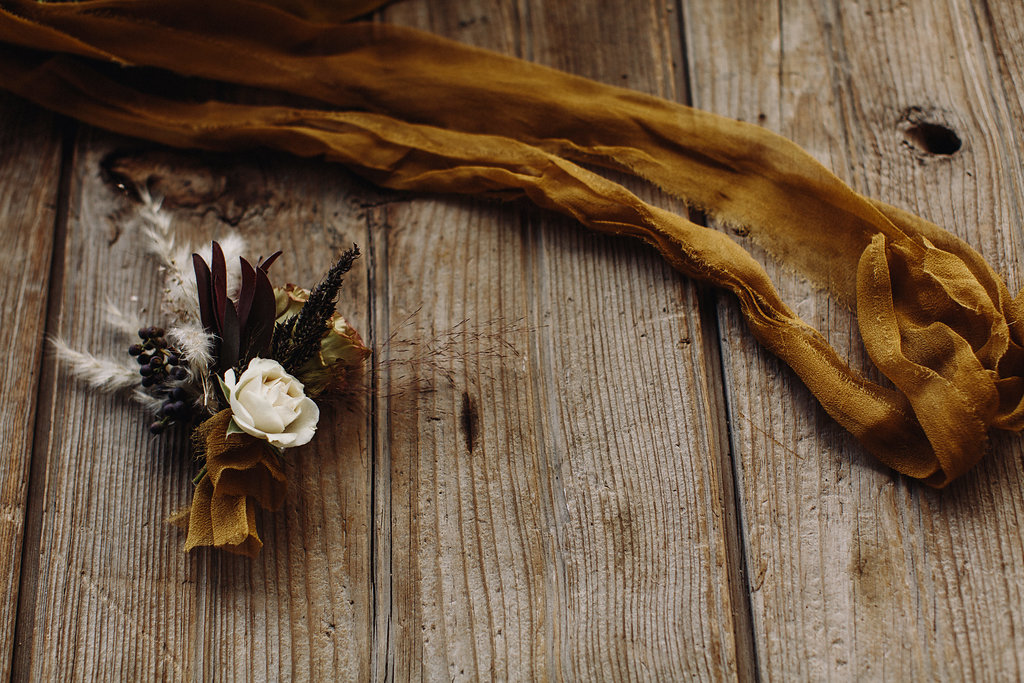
(222, 521)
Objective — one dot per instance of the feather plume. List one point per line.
(194, 343)
(196, 347)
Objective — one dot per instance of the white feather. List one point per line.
(194, 343)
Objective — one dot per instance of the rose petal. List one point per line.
(283, 440)
(304, 425)
(264, 415)
(241, 414)
(270, 404)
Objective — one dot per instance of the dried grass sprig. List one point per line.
(148, 401)
(126, 323)
(180, 298)
(179, 289)
(101, 374)
(299, 338)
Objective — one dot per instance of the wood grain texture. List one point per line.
(30, 168)
(556, 513)
(539, 483)
(113, 596)
(856, 573)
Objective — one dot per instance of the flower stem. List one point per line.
(199, 477)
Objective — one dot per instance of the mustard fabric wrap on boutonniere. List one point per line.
(412, 111)
(240, 472)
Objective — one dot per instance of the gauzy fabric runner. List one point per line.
(409, 110)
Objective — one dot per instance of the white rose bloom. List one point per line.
(270, 404)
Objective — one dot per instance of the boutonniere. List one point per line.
(241, 363)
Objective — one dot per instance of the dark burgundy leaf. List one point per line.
(229, 339)
(262, 316)
(245, 293)
(264, 264)
(219, 274)
(204, 290)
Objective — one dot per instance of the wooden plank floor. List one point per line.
(569, 462)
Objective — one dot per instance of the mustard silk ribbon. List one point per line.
(409, 110)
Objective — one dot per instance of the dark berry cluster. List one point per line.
(157, 361)
(159, 364)
(177, 407)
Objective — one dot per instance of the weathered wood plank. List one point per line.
(536, 488)
(115, 597)
(30, 169)
(856, 573)
(556, 512)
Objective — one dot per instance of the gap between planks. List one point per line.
(747, 668)
(24, 628)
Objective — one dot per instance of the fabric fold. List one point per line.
(241, 473)
(411, 111)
